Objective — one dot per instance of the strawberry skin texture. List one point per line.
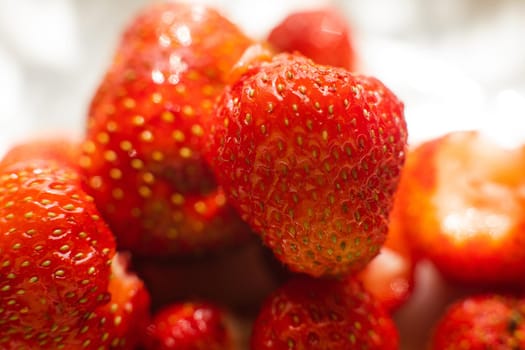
(318, 314)
(121, 323)
(55, 253)
(322, 35)
(482, 322)
(310, 157)
(142, 152)
(191, 326)
(464, 206)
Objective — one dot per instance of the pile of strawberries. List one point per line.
(231, 192)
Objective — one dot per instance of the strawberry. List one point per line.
(310, 157)
(318, 314)
(321, 34)
(192, 326)
(389, 277)
(121, 323)
(142, 151)
(464, 200)
(60, 148)
(482, 322)
(55, 253)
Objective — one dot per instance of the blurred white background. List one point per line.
(457, 64)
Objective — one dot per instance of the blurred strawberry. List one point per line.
(389, 277)
(318, 314)
(482, 322)
(59, 148)
(55, 254)
(192, 326)
(142, 152)
(464, 207)
(322, 35)
(240, 279)
(310, 156)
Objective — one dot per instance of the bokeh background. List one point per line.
(457, 64)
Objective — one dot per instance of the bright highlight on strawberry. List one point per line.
(463, 203)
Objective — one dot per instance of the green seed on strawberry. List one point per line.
(318, 314)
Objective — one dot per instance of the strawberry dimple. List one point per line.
(310, 160)
(56, 250)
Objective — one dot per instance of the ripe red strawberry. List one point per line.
(121, 323)
(318, 314)
(464, 200)
(142, 153)
(55, 253)
(322, 35)
(310, 156)
(482, 322)
(192, 326)
(389, 277)
(60, 148)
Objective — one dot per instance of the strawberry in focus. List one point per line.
(482, 322)
(310, 156)
(465, 201)
(318, 314)
(142, 152)
(55, 253)
(322, 35)
(192, 326)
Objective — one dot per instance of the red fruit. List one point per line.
(322, 35)
(60, 149)
(142, 153)
(192, 326)
(121, 323)
(389, 277)
(464, 204)
(310, 157)
(55, 253)
(482, 322)
(318, 314)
